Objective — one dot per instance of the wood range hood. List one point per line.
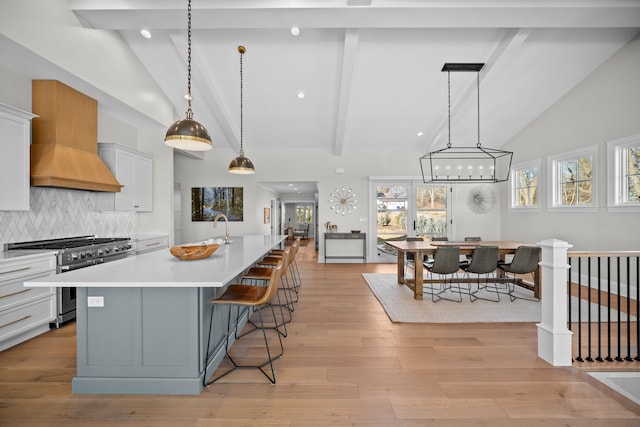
(64, 149)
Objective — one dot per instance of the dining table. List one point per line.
(422, 249)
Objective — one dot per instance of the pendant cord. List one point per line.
(241, 110)
(449, 103)
(189, 111)
(478, 84)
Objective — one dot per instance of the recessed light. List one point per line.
(145, 33)
(420, 133)
(300, 95)
(295, 31)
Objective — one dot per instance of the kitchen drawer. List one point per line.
(24, 317)
(14, 293)
(20, 267)
(149, 244)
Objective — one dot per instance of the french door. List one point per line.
(409, 209)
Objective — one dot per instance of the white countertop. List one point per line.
(161, 269)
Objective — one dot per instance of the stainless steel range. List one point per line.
(74, 253)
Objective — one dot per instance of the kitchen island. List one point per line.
(143, 321)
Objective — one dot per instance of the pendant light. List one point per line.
(241, 164)
(187, 134)
(465, 164)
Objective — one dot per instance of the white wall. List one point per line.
(603, 107)
(15, 89)
(313, 165)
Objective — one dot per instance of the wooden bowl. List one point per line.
(191, 252)
(355, 231)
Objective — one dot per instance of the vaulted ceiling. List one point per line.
(370, 70)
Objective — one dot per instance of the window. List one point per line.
(525, 186)
(573, 180)
(623, 174)
(304, 213)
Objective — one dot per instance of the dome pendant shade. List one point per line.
(187, 134)
(241, 165)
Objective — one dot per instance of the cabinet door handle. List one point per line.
(15, 293)
(152, 244)
(136, 206)
(15, 321)
(15, 271)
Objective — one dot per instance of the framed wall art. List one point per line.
(267, 215)
(207, 202)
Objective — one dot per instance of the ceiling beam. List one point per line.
(351, 37)
(106, 14)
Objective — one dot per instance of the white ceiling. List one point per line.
(370, 69)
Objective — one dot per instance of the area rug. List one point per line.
(400, 306)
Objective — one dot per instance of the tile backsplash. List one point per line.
(57, 212)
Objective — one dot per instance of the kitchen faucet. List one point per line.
(226, 220)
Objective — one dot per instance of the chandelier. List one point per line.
(465, 164)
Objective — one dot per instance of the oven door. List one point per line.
(77, 266)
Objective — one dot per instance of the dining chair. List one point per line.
(525, 261)
(467, 258)
(409, 261)
(445, 262)
(484, 260)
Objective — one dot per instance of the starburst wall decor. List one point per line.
(343, 201)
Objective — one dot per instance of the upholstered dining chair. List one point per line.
(467, 258)
(446, 262)
(409, 256)
(525, 261)
(484, 261)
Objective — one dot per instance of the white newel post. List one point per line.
(554, 339)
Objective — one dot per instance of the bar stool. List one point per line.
(263, 273)
(288, 277)
(293, 265)
(238, 295)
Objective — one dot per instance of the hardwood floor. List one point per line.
(345, 364)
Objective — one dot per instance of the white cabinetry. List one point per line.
(151, 243)
(25, 312)
(15, 140)
(134, 170)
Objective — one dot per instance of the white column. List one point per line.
(554, 339)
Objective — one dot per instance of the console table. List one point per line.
(344, 237)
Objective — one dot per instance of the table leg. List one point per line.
(419, 274)
(401, 278)
(536, 282)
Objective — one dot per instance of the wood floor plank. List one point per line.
(345, 364)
